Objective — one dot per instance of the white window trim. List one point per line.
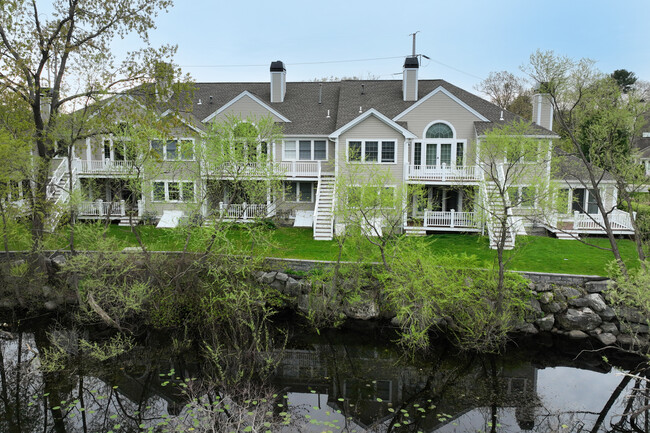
(166, 185)
(178, 140)
(297, 141)
(112, 141)
(426, 128)
(363, 150)
(295, 199)
(438, 142)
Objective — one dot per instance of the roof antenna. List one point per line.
(414, 53)
(320, 93)
(413, 34)
(501, 115)
(328, 114)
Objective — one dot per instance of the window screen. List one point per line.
(387, 151)
(305, 150)
(320, 150)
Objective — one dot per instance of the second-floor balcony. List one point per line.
(103, 166)
(293, 169)
(443, 173)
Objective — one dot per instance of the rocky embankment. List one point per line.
(578, 311)
(573, 306)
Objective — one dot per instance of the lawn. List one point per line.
(533, 253)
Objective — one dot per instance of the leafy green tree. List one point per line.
(371, 206)
(625, 79)
(240, 177)
(431, 292)
(15, 172)
(515, 164)
(597, 126)
(44, 56)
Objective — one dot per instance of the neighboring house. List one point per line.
(423, 131)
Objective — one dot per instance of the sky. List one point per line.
(466, 40)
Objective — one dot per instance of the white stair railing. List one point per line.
(58, 174)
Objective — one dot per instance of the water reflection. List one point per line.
(337, 381)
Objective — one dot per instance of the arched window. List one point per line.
(245, 130)
(439, 130)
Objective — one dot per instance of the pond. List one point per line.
(352, 380)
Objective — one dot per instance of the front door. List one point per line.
(451, 200)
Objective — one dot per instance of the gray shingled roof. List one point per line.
(342, 99)
(570, 168)
(483, 128)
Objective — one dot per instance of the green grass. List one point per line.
(540, 254)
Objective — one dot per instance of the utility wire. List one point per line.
(334, 61)
(289, 64)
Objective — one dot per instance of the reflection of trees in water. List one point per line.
(373, 388)
(79, 396)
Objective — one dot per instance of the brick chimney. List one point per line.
(410, 79)
(278, 81)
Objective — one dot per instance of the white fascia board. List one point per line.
(115, 98)
(372, 112)
(450, 95)
(240, 96)
(541, 137)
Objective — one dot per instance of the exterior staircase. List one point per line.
(491, 199)
(58, 193)
(324, 209)
(124, 221)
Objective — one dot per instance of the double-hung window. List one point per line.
(305, 150)
(372, 151)
(172, 191)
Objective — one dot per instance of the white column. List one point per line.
(88, 151)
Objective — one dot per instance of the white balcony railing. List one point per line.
(451, 219)
(618, 219)
(103, 166)
(101, 208)
(283, 168)
(301, 168)
(243, 212)
(579, 222)
(443, 173)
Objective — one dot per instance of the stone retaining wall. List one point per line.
(575, 306)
